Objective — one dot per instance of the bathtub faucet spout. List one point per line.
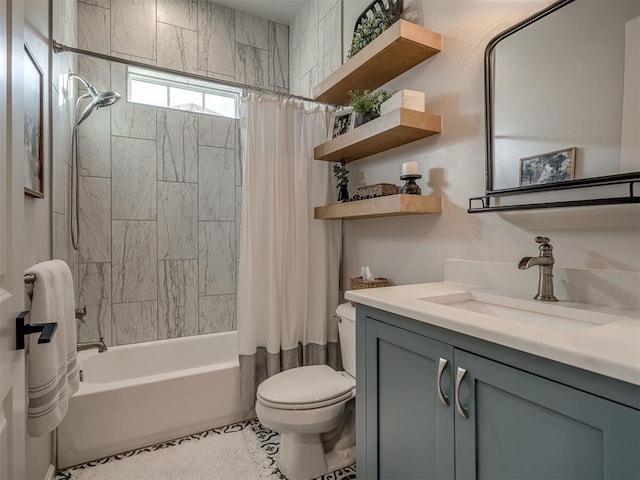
(100, 346)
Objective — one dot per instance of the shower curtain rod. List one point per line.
(61, 48)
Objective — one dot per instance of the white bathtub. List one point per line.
(137, 395)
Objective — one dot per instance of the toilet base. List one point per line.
(302, 457)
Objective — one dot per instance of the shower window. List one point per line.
(160, 89)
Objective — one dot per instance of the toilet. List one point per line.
(313, 409)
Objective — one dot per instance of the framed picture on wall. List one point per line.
(341, 122)
(33, 116)
(551, 167)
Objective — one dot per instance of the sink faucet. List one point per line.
(100, 345)
(545, 261)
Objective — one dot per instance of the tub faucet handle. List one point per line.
(81, 313)
(543, 240)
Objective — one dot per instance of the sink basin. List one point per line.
(546, 315)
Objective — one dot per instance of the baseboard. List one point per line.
(51, 472)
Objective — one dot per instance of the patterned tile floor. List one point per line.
(269, 442)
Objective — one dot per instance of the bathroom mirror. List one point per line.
(562, 93)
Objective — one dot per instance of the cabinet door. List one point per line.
(409, 430)
(521, 426)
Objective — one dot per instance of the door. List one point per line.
(409, 426)
(521, 426)
(12, 362)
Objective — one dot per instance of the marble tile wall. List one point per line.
(159, 242)
(197, 36)
(315, 44)
(160, 190)
(64, 15)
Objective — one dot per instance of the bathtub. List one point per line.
(136, 395)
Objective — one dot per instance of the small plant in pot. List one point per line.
(341, 173)
(367, 104)
(368, 29)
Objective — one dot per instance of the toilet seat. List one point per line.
(305, 388)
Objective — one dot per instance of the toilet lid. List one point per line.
(316, 384)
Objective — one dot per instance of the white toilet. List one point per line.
(305, 402)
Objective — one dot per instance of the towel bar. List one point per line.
(22, 329)
(80, 312)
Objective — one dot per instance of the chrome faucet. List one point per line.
(100, 345)
(545, 261)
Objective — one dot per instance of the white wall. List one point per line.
(412, 249)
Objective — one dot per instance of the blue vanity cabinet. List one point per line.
(409, 431)
(522, 426)
(503, 422)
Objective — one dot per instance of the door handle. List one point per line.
(459, 378)
(46, 330)
(442, 364)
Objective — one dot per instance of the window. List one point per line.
(181, 93)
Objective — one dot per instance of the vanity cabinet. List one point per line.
(410, 433)
(414, 422)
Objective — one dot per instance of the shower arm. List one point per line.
(92, 91)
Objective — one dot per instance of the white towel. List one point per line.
(52, 371)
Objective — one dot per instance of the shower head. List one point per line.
(106, 99)
(98, 99)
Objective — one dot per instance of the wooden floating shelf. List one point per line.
(387, 206)
(399, 48)
(383, 133)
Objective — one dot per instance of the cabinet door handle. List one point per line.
(459, 377)
(442, 364)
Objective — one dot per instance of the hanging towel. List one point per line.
(52, 371)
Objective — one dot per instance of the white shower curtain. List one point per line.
(289, 262)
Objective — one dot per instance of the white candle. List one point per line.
(410, 168)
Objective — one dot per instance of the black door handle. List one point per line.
(47, 330)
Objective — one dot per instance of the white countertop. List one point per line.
(612, 349)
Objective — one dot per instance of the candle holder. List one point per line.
(411, 187)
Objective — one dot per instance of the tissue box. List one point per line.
(358, 283)
(411, 99)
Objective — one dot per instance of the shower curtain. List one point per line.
(289, 262)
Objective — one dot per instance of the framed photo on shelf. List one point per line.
(551, 167)
(33, 135)
(341, 122)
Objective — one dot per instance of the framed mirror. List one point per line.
(562, 99)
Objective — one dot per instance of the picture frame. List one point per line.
(341, 122)
(33, 126)
(550, 167)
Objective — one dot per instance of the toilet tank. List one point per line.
(347, 333)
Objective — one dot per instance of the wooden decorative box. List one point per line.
(410, 99)
(380, 189)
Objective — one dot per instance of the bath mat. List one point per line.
(243, 451)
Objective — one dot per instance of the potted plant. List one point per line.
(341, 173)
(367, 104)
(368, 29)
